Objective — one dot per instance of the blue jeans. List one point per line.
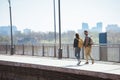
(77, 53)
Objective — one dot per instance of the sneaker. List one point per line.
(87, 63)
(79, 63)
(92, 61)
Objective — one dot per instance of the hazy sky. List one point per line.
(38, 14)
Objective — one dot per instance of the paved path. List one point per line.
(98, 66)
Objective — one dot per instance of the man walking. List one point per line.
(87, 47)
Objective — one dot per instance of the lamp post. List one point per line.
(59, 16)
(54, 21)
(54, 28)
(12, 47)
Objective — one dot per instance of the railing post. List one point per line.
(100, 52)
(43, 50)
(23, 49)
(32, 50)
(67, 51)
(103, 52)
(14, 51)
(6, 49)
(119, 52)
(55, 50)
(82, 53)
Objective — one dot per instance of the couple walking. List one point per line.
(87, 44)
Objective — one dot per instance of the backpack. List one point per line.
(80, 43)
(90, 41)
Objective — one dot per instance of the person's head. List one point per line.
(77, 35)
(86, 32)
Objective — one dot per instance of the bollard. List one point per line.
(59, 53)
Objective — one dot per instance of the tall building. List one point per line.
(27, 31)
(85, 26)
(5, 30)
(99, 26)
(113, 27)
(94, 29)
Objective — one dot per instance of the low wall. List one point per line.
(24, 71)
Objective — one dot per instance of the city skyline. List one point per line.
(85, 26)
(37, 15)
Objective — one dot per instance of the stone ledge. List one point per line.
(62, 70)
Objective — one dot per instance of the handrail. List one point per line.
(103, 52)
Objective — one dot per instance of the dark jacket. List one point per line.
(75, 44)
(89, 44)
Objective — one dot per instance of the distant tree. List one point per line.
(68, 37)
(113, 37)
(4, 39)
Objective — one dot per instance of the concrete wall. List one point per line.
(25, 73)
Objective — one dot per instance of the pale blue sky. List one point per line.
(38, 14)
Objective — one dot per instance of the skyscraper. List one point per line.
(99, 26)
(27, 31)
(113, 27)
(85, 26)
(5, 30)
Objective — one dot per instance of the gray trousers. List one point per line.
(77, 53)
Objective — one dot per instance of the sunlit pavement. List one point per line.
(107, 67)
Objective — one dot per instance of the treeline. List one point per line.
(37, 37)
(49, 37)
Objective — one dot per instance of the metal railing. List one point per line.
(106, 52)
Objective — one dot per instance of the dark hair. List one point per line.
(77, 35)
(85, 31)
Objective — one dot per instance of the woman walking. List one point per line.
(78, 43)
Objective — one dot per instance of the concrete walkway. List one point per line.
(111, 68)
